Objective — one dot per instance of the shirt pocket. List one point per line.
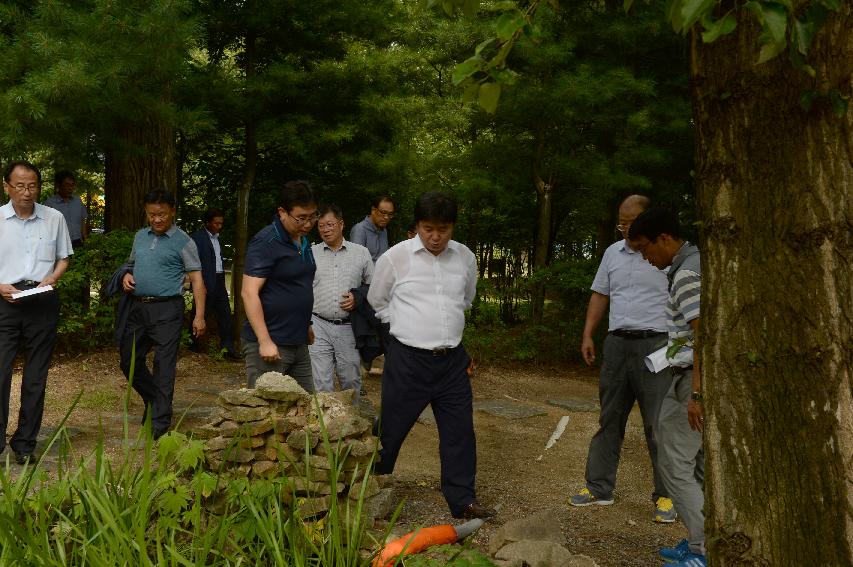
(47, 251)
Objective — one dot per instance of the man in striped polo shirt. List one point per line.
(161, 255)
(656, 234)
(341, 266)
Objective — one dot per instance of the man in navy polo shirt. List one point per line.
(161, 255)
(278, 292)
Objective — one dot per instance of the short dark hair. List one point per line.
(211, 214)
(435, 206)
(62, 175)
(384, 197)
(296, 193)
(10, 167)
(158, 196)
(412, 226)
(331, 208)
(653, 222)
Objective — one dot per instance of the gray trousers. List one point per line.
(333, 352)
(624, 380)
(295, 362)
(682, 458)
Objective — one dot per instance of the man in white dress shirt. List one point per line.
(422, 287)
(34, 251)
(341, 266)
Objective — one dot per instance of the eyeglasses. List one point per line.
(30, 187)
(623, 227)
(386, 214)
(328, 225)
(300, 220)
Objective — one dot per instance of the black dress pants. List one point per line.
(414, 378)
(153, 325)
(217, 301)
(27, 326)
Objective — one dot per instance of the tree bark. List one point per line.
(241, 237)
(542, 244)
(775, 191)
(143, 159)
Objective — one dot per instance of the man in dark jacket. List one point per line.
(213, 274)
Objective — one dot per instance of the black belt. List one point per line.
(26, 284)
(679, 370)
(154, 298)
(441, 351)
(343, 321)
(639, 334)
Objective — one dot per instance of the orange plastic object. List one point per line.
(414, 542)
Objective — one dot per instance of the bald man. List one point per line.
(636, 293)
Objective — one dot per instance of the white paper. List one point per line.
(657, 361)
(32, 291)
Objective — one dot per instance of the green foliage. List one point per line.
(453, 555)
(82, 326)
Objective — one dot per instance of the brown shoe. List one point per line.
(476, 510)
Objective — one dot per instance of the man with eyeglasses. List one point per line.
(372, 232)
(341, 266)
(161, 257)
(34, 251)
(277, 292)
(636, 293)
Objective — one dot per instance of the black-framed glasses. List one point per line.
(623, 228)
(328, 225)
(386, 214)
(21, 187)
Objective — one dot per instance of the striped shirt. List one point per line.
(337, 273)
(683, 304)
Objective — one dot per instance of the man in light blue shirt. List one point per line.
(636, 293)
(72, 208)
(34, 251)
(372, 232)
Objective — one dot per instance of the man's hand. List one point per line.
(50, 279)
(6, 290)
(268, 351)
(347, 301)
(128, 283)
(199, 325)
(310, 334)
(588, 350)
(695, 415)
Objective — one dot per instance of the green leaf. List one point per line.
(673, 14)
(775, 21)
(490, 93)
(627, 5)
(168, 445)
(839, 103)
(833, 5)
(721, 27)
(753, 357)
(770, 50)
(508, 24)
(803, 34)
(191, 455)
(693, 10)
(502, 6)
(469, 67)
(471, 92)
(482, 45)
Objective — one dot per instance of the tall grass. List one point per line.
(156, 505)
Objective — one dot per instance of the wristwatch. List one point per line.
(696, 397)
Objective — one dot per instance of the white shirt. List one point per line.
(424, 296)
(637, 290)
(29, 248)
(217, 251)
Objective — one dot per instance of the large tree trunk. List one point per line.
(775, 189)
(143, 159)
(241, 237)
(544, 194)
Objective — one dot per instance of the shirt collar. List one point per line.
(211, 235)
(416, 245)
(170, 232)
(626, 248)
(327, 247)
(368, 224)
(8, 211)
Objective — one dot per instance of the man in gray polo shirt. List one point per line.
(636, 293)
(372, 232)
(161, 256)
(341, 266)
(72, 208)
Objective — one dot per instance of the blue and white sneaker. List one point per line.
(692, 560)
(677, 553)
(587, 498)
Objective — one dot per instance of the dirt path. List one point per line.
(509, 471)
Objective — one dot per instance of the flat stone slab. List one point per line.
(574, 404)
(427, 417)
(507, 409)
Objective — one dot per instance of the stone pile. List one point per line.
(278, 429)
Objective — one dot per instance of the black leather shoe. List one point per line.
(23, 458)
(233, 357)
(476, 510)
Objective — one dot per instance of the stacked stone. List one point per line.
(277, 429)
